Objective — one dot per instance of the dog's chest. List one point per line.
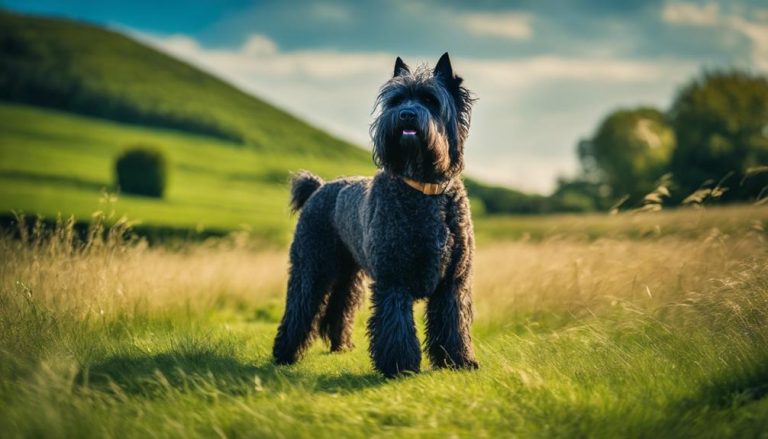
(409, 243)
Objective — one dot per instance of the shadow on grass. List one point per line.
(347, 382)
(737, 389)
(210, 372)
(63, 180)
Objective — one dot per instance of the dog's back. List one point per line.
(334, 208)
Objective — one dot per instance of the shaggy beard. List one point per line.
(423, 156)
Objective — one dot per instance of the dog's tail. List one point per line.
(303, 185)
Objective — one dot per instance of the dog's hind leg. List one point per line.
(347, 294)
(307, 290)
(313, 268)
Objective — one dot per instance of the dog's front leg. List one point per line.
(394, 346)
(449, 315)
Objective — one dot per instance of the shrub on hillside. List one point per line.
(141, 170)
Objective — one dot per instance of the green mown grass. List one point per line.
(662, 337)
(52, 162)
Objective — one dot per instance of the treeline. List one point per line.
(712, 143)
(495, 200)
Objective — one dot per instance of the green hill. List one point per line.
(88, 70)
(53, 162)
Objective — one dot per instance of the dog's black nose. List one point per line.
(407, 115)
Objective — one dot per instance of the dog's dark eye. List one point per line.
(429, 100)
(395, 101)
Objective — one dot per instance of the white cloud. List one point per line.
(258, 55)
(760, 15)
(502, 25)
(758, 35)
(544, 68)
(179, 44)
(755, 28)
(259, 45)
(691, 13)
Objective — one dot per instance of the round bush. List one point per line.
(141, 171)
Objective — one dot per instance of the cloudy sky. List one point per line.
(545, 72)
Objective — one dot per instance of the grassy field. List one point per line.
(688, 223)
(660, 335)
(53, 162)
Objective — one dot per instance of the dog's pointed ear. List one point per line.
(401, 68)
(443, 67)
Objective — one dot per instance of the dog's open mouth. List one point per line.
(409, 132)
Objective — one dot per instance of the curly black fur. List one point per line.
(413, 246)
(303, 185)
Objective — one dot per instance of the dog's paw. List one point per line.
(283, 361)
(341, 348)
(284, 357)
(399, 372)
(470, 364)
(400, 368)
(458, 364)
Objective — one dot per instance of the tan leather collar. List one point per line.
(427, 188)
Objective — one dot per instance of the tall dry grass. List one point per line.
(580, 277)
(107, 274)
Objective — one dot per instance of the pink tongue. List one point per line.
(409, 132)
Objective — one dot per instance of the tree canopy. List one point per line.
(713, 140)
(721, 126)
(629, 151)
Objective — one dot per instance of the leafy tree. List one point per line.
(629, 152)
(142, 171)
(501, 200)
(721, 124)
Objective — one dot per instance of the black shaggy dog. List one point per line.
(408, 228)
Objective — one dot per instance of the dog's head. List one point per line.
(422, 122)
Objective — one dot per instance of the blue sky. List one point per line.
(545, 72)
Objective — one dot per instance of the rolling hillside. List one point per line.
(84, 69)
(54, 162)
